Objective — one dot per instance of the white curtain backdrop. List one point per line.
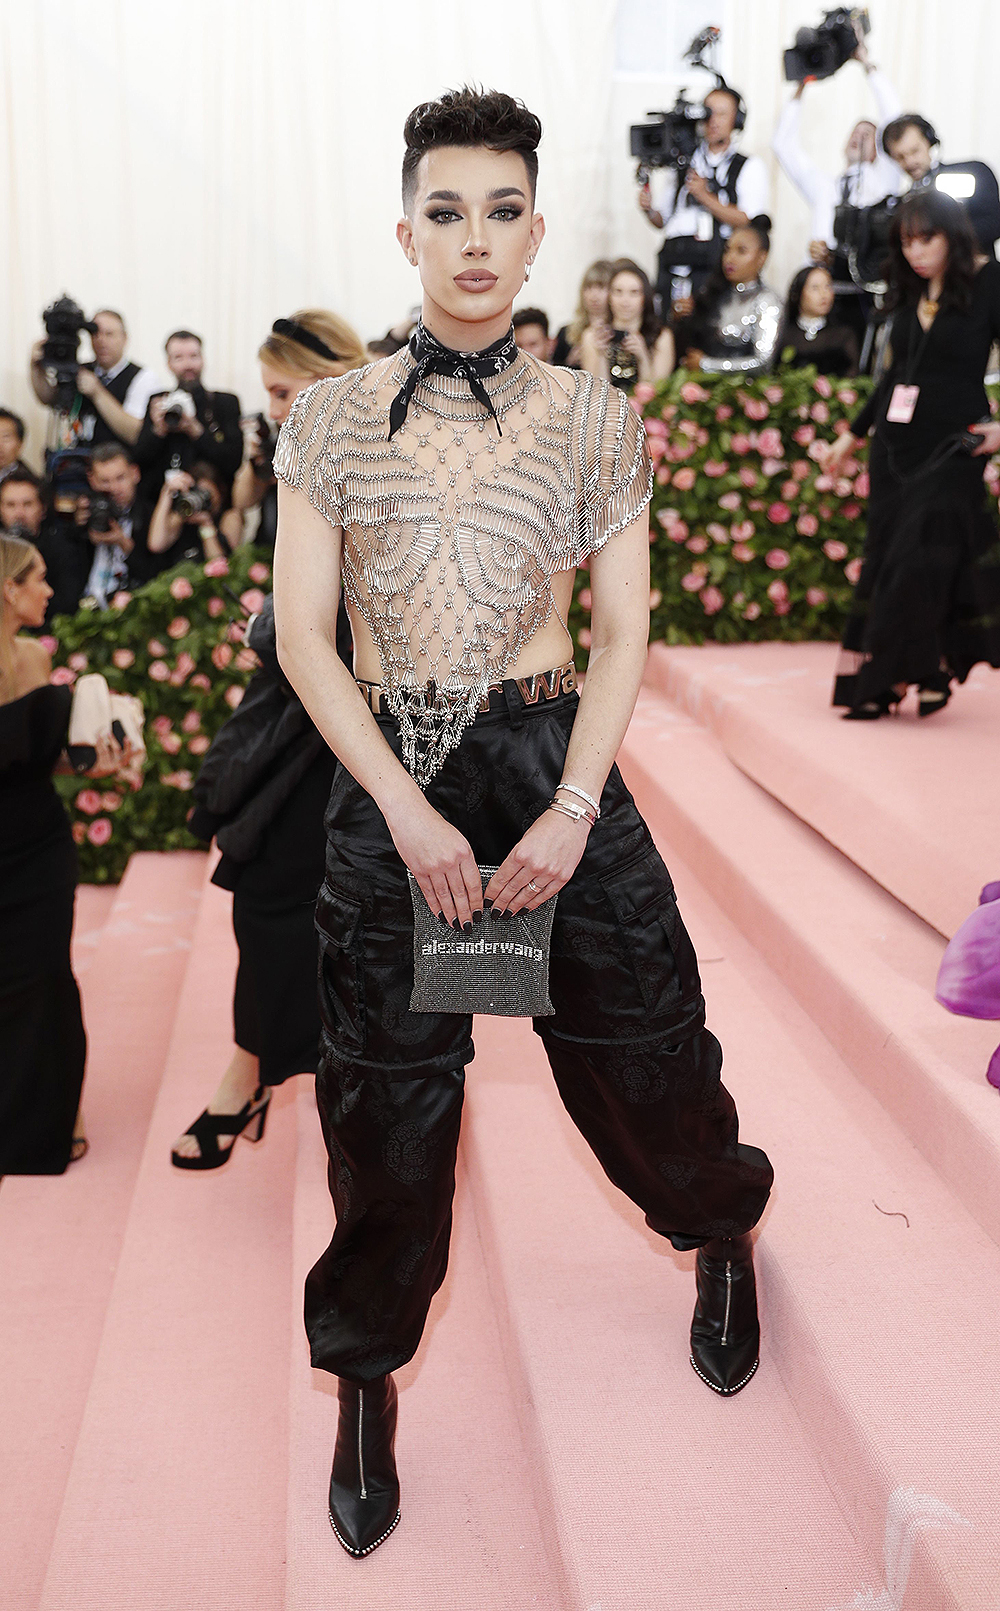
(216, 163)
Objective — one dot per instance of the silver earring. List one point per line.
(527, 271)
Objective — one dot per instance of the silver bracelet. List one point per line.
(570, 811)
(571, 788)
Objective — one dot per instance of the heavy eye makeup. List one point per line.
(445, 215)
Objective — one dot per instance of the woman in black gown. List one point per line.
(811, 332)
(42, 1042)
(927, 604)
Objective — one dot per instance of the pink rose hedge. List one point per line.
(188, 670)
(740, 500)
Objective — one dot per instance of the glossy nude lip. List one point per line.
(476, 280)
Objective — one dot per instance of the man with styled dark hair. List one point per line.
(24, 512)
(454, 488)
(11, 443)
(116, 529)
(912, 142)
(113, 392)
(531, 332)
(189, 424)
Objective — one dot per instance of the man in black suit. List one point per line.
(911, 141)
(189, 424)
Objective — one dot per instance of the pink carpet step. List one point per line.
(61, 1236)
(914, 803)
(875, 1385)
(176, 1495)
(861, 964)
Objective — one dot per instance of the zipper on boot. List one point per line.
(724, 1339)
(361, 1451)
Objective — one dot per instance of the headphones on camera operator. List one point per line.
(862, 233)
(691, 250)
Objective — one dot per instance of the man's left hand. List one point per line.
(697, 186)
(87, 382)
(192, 427)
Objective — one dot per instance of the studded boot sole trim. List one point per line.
(358, 1553)
(724, 1392)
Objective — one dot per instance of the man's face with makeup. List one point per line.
(470, 228)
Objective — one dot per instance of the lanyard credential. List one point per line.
(904, 397)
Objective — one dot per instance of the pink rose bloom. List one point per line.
(697, 545)
(235, 631)
(862, 484)
(177, 780)
(99, 832)
(79, 662)
(180, 588)
(825, 512)
(756, 504)
(848, 396)
(782, 607)
(179, 627)
(652, 426)
(711, 600)
(662, 477)
(689, 427)
(751, 612)
(723, 412)
(840, 427)
(774, 394)
(159, 671)
(184, 667)
(643, 393)
(215, 607)
(851, 511)
(730, 500)
(246, 660)
(755, 408)
(822, 385)
(110, 801)
(819, 412)
(191, 722)
(161, 725)
(824, 483)
(79, 832)
(88, 800)
(678, 532)
(776, 559)
(156, 647)
(779, 514)
(586, 598)
(816, 451)
(717, 532)
(741, 552)
(123, 658)
(739, 443)
(777, 592)
(49, 643)
(666, 518)
(121, 599)
(692, 582)
(800, 469)
(843, 487)
(815, 596)
(702, 437)
(748, 477)
(742, 529)
(790, 491)
(199, 680)
(171, 742)
(217, 567)
(739, 598)
(715, 467)
(233, 695)
(656, 451)
(668, 411)
(771, 467)
(691, 392)
(770, 444)
(584, 638)
(221, 656)
(199, 744)
(655, 598)
(852, 570)
(684, 479)
(807, 525)
(833, 549)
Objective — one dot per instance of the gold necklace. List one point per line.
(929, 307)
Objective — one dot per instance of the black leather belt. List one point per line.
(542, 685)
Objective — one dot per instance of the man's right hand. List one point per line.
(819, 253)
(157, 409)
(646, 203)
(440, 859)
(113, 535)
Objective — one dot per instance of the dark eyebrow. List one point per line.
(491, 195)
(444, 195)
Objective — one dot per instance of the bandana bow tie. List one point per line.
(431, 358)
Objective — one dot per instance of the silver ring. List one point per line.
(534, 886)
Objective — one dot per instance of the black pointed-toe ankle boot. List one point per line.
(725, 1331)
(364, 1488)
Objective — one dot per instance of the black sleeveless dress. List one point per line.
(42, 1042)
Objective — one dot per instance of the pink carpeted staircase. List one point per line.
(165, 1443)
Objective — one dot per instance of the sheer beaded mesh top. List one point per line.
(454, 531)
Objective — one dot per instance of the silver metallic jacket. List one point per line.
(746, 330)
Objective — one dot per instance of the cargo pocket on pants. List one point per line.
(341, 980)
(641, 896)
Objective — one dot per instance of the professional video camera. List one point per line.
(194, 501)
(63, 322)
(671, 140)
(862, 235)
(821, 51)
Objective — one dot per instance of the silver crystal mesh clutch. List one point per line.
(501, 968)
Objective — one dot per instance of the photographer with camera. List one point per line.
(111, 394)
(911, 142)
(116, 521)
(189, 423)
(190, 520)
(24, 513)
(698, 202)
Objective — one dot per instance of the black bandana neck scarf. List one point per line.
(431, 358)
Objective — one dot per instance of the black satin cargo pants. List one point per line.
(635, 1066)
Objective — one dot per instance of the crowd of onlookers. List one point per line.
(141, 474)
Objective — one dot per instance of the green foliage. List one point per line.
(177, 644)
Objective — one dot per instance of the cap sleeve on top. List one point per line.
(304, 457)
(617, 474)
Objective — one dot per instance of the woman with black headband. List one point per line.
(456, 487)
(261, 794)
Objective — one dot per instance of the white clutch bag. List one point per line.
(96, 712)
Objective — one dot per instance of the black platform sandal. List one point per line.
(208, 1127)
(725, 1331)
(364, 1487)
(871, 709)
(930, 700)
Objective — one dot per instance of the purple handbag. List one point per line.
(968, 980)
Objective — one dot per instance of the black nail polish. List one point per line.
(487, 905)
(467, 928)
(456, 925)
(477, 917)
(442, 919)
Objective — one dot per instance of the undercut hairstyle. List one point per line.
(181, 335)
(112, 313)
(525, 316)
(924, 213)
(15, 420)
(106, 451)
(470, 117)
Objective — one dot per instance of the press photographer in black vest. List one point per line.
(722, 187)
(912, 142)
(189, 424)
(113, 393)
(114, 521)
